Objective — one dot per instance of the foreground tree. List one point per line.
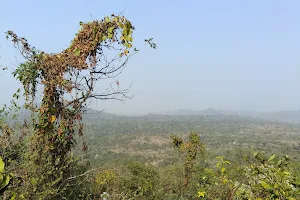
(100, 50)
(191, 150)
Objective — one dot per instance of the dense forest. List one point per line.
(54, 147)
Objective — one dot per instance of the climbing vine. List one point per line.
(67, 81)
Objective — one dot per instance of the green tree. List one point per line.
(190, 149)
(142, 182)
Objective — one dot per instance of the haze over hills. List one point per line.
(292, 116)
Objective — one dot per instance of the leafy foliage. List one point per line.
(271, 178)
(4, 178)
(190, 148)
(142, 180)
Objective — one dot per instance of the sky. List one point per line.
(233, 55)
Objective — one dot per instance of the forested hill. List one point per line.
(292, 116)
(149, 136)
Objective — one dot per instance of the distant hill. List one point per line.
(91, 114)
(284, 116)
(280, 116)
(209, 111)
(292, 116)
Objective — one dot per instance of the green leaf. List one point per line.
(5, 182)
(33, 182)
(77, 52)
(223, 170)
(279, 162)
(120, 25)
(201, 194)
(13, 196)
(110, 30)
(287, 173)
(272, 157)
(1, 165)
(265, 185)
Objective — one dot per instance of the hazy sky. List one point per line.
(237, 55)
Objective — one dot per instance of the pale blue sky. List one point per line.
(237, 55)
